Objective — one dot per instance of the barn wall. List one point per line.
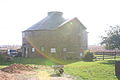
(69, 36)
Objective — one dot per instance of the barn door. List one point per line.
(27, 52)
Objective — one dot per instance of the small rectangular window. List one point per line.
(53, 50)
(81, 54)
(42, 49)
(33, 49)
(23, 34)
(64, 49)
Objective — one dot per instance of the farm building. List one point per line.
(55, 36)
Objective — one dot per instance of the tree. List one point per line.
(112, 38)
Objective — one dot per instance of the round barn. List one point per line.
(55, 36)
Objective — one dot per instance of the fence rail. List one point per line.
(103, 56)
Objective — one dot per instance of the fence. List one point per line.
(107, 55)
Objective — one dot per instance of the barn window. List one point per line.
(53, 50)
(64, 49)
(42, 49)
(71, 23)
(81, 54)
(23, 34)
(33, 49)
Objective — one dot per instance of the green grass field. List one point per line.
(29, 61)
(98, 70)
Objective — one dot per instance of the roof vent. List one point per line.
(55, 13)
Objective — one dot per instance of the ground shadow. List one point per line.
(20, 60)
(55, 75)
(109, 62)
(118, 77)
(36, 61)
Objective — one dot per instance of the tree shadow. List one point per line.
(55, 75)
(36, 61)
(109, 62)
(118, 77)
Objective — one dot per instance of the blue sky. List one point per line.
(18, 15)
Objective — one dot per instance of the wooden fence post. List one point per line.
(103, 55)
(115, 56)
(117, 68)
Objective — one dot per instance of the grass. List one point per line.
(98, 70)
(29, 61)
(1, 66)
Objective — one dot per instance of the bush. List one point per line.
(4, 58)
(88, 56)
(1, 58)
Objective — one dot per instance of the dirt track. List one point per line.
(30, 75)
(22, 72)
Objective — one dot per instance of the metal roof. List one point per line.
(52, 21)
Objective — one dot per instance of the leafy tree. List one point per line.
(112, 38)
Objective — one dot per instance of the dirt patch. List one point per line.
(10, 72)
(6, 76)
(17, 68)
(23, 72)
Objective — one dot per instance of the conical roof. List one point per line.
(52, 21)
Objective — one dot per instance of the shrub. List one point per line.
(4, 58)
(1, 58)
(58, 69)
(88, 56)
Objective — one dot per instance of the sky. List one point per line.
(18, 15)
